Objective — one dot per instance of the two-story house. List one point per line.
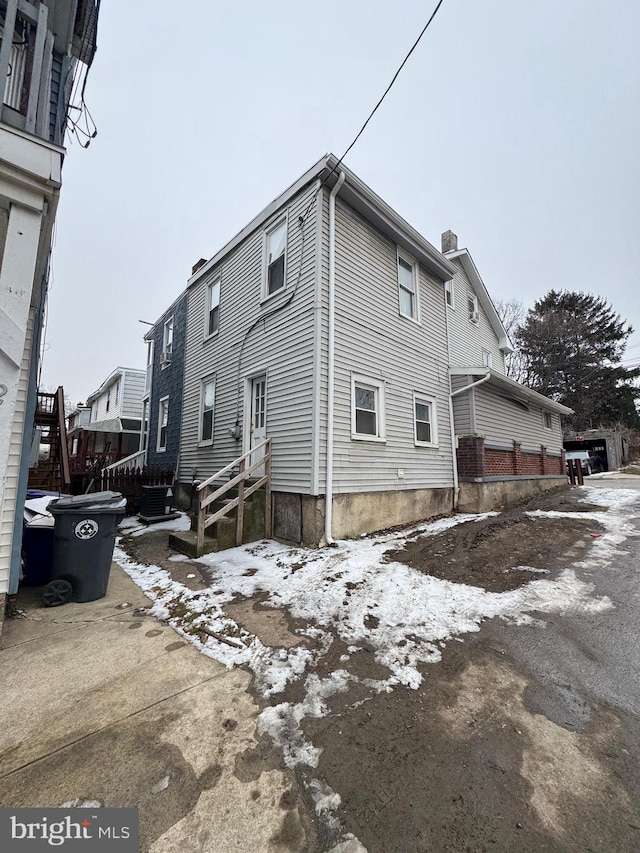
(508, 437)
(45, 47)
(327, 324)
(162, 400)
(108, 428)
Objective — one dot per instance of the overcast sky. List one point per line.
(514, 124)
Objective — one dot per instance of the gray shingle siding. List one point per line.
(168, 381)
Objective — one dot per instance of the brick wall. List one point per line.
(471, 456)
(504, 463)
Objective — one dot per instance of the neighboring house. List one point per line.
(163, 386)
(509, 437)
(326, 325)
(45, 48)
(108, 428)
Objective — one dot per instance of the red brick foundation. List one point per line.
(477, 461)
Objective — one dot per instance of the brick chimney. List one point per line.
(197, 265)
(449, 242)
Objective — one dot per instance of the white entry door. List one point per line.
(258, 424)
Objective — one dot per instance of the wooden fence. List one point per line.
(128, 482)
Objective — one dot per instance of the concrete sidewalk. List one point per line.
(102, 702)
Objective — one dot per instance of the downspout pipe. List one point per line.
(463, 390)
(475, 384)
(331, 354)
(452, 428)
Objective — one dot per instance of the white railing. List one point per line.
(135, 460)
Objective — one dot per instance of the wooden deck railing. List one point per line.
(207, 494)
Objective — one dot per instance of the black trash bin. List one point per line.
(84, 537)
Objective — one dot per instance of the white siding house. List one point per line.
(330, 340)
(335, 329)
(111, 429)
(506, 433)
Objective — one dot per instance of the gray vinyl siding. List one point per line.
(282, 346)
(468, 339)
(462, 419)
(131, 405)
(502, 420)
(374, 340)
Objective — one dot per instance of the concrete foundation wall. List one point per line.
(301, 518)
(482, 497)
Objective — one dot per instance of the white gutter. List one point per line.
(452, 428)
(472, 385)
(331, 359)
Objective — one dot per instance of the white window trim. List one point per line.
(472, 296)
(284, 218)
(148, 379)
(162, 400)
(401, 255)
(206, 442)
(217, 279)
(379, 387)
(433, 409)
(487, 358)
(546, 415)
(167, 361)
(449, 288)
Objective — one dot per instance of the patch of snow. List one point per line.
(190, 576)
(179, 558)
(336, 589)
(39, 505)
(79, 803)
(183, 522)
(162, 785)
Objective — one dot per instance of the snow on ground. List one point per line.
(350, 592)
(133, 527)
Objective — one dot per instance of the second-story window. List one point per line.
(407, 287)
(213, 307)
(472, 305)
(108, 405)
(147, 382)
(448, 293)
(276, 250)
(167, 341)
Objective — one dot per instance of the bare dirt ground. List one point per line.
(469, 761)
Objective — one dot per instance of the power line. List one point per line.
(374, 110)
(393, 80)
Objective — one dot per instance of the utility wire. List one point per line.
(388, 89)
(375, 109)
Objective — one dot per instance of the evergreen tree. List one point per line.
(572, 346)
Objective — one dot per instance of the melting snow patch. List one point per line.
(338, 590)
(162, 785)
(79, 803)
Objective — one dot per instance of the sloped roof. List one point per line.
(468, 265)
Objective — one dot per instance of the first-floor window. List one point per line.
(424, 420)
(163, 420)
(367, 408)
(208, 396)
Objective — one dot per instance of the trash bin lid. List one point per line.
(93, 501)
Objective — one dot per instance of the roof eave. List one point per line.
(511, 385)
